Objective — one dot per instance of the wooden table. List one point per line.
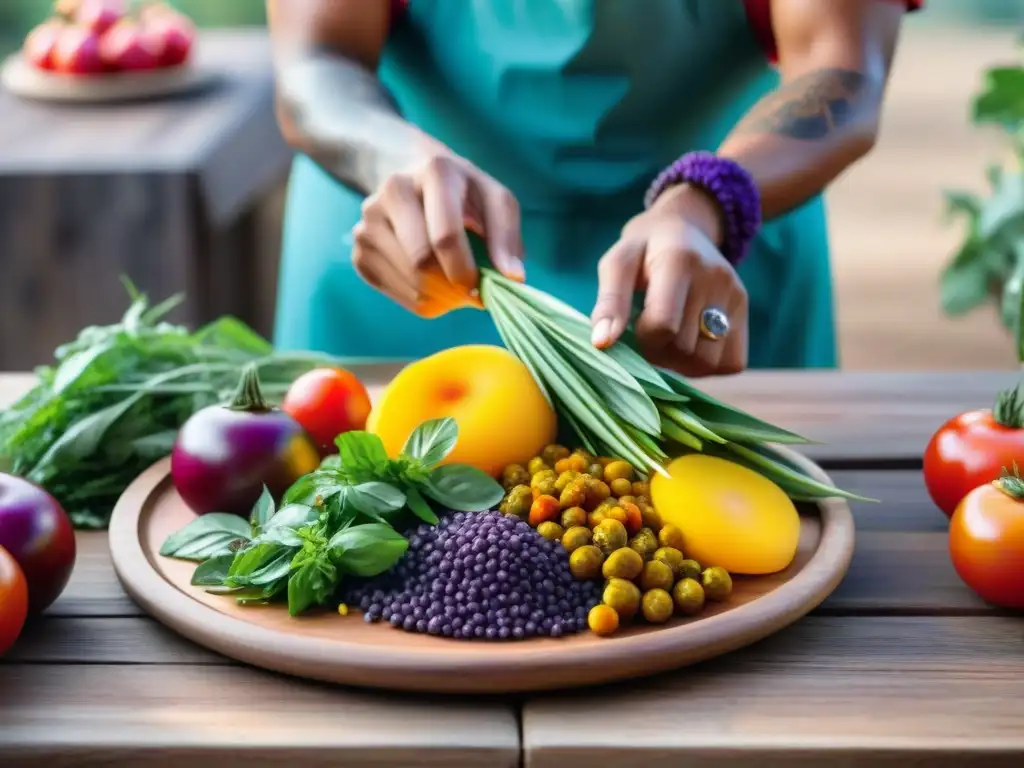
(901, 666)
(167, 192)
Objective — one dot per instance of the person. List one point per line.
(660, 162)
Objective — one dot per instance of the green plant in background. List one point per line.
(989, 264)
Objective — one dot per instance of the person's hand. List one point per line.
(416, 222)
(669, 250)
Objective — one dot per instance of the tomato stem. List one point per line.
(1011, 484)
(1009, 408)
(248, 395)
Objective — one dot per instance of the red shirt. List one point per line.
(759, 15)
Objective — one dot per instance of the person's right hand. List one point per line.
(416, 222)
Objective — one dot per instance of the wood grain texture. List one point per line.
(826, 691)
(102, 715)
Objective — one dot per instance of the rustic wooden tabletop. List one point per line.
(166, 191)
(901, 666)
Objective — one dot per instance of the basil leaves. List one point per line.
(340, 520)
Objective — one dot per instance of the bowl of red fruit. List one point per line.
(106, 50)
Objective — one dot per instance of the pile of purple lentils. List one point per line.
(479, 575)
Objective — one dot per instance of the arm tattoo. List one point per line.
(811, 107)
(347, 121)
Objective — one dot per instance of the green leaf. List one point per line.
(292, 517)
(432, 441)
(250, 559)
(361, 452)
(262, 511)
(1002, 100)
(274, 569)
(212, 572)
(965, 283)
(463, 488)
(206, 537)
(310, 585)
(769, 463)
(367, 550)
(419, 505)
(375, 499)
(315, 488)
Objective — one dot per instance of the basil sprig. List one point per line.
(337, 521)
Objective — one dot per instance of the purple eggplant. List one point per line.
(225, 454)
(38, 534)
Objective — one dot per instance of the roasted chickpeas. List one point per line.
(609, 536)
(576, 537)
(617, 470)
(543, 483)
(657, 606)
(585, 562)
(573, 516)
(623, 596)
(688, 596)
(518, 502)
(623, 563)
(603, 620)
(670, 536)
(656, 575)
(717, 583)
(551, 531)
(513, 475)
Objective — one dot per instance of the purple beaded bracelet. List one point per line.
(729, 184)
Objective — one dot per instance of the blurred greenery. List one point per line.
(17, 17)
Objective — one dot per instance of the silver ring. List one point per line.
(714, 324)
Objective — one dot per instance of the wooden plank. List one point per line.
(93, 589)
(903, 502)
(138, 640)
(871, 418)
(101, 715)
(835, 691)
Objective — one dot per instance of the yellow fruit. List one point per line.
(729, 515)
(502, 415)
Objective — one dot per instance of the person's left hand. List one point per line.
(669, 251)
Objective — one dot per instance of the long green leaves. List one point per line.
(618, 404)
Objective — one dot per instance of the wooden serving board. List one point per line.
(328, 647)
(24, 80)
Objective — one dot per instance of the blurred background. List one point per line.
(188, 193)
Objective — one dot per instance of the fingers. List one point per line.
(502, 226)
(443, 185)
(373, 256)
(669, 280)
(617, 274)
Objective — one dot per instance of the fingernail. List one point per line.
(601, 333)
(515, 271)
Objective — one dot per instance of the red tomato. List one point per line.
(973, 449)
(41, 41)
(986, 542)
(77, 52)
(327, 402)
(13, 601)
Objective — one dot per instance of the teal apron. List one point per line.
(574, 105)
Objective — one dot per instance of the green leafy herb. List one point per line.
(115, 396)
(367, 550)
(262, 512)
(361, 454)
(336, 521)
(463, 488)
(207, 536)
(431, 442)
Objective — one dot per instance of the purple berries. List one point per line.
(479, 575)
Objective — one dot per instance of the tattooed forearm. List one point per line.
(338, 113)
(813, 106)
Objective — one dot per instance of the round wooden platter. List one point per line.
(328, 647)
(24, 80)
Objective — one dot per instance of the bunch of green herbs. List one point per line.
(112, 402)
(343, 519)
(618, 404)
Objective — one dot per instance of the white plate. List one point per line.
(24, 80)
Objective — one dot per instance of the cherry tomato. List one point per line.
(973, 449)
(327, 402)
(13, 600)
(986, 542)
